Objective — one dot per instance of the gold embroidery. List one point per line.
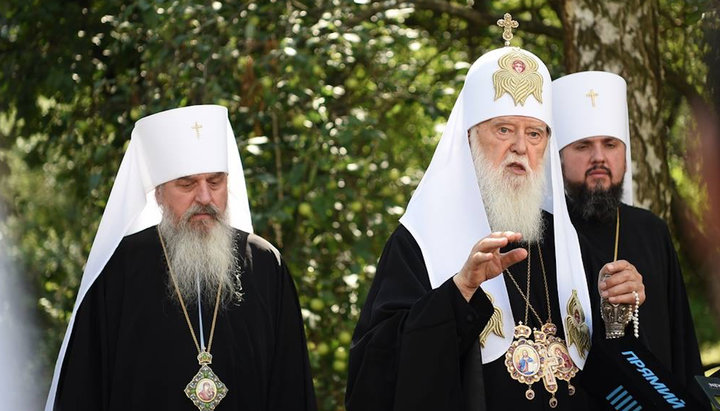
(518, 77)
(197, 128)
(578, 332)
(592, 95)
(494, 325)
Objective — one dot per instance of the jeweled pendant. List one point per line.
(205, 390)
(564, 368)
(525, 359)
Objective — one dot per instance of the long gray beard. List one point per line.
(199, 253)
(512, 202)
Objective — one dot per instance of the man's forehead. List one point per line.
(532, 121)
(598, 139)
(202, 176)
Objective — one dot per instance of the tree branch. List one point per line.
(481, 19)
(371, 11)
(468, 14)
(681, 84)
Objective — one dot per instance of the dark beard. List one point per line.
(594, 203)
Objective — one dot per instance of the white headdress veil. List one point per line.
(163, 147)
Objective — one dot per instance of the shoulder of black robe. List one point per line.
(411, 341)
(666, 326)
(131, 348)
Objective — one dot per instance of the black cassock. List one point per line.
(666, 326)
(416, 348)
(131, 347)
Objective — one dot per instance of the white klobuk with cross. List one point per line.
(590, 104)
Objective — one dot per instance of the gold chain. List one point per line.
(617, 232)
(527, 301)
(527, 287)
(182, 303)
(527, 297)
(547, 293)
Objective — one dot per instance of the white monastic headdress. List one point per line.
(163, 146)
(446, 215)
(590, 104)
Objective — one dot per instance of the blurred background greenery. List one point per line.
(337, 107)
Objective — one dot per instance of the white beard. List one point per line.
(199, 253)
(512, 202)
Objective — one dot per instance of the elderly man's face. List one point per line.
(178, 195)
(502, 137)
(597, 162)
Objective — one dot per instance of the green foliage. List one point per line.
(335, 125)
(336, 107)
(684, 54)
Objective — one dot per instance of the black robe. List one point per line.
(416, 348)
(666, 326)
(131, 348)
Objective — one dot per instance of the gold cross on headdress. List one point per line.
(592, 94)
(197, 128)
(507, 23)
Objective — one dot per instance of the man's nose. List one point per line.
(519, 144)
(202, 193)
(597, 155)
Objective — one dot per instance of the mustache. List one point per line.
(598, 167)
(514, 158)
(196, 209)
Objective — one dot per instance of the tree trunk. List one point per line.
(621, 37)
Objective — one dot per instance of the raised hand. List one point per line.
(486, 261)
